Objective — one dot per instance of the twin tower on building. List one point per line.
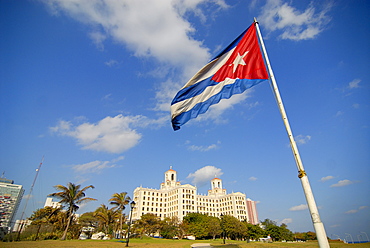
(175, 199)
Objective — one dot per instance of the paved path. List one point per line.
(200, 245)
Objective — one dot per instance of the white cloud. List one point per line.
(165, 93)
(347, 89)
(342, 183)
(353, 211)
(301, 139)
(111, 134)
(354, 84)
(203, 175)
(155, 29)
(107, 97)
(118, 159)
(148, 28)
(286, 221)
(111, 63)
(95, 166)
(299, 207)
(204, 148)
(98, 38)
(334, 226)
(92, 167)
(252, 179)
(295, 24)
(324, 179)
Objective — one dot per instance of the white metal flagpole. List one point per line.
(318, 225)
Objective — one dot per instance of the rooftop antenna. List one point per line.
(28, 198)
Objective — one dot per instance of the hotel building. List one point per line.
(175, 199)
(10, 198)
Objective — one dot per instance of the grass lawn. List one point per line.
(163, 243)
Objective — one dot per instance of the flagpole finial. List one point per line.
(255, 19)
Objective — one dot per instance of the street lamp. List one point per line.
(132, 205)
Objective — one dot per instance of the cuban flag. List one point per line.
(237, 68)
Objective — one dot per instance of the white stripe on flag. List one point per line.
(203, 74)
(188, 104)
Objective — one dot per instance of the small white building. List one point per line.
(175, 199)
(50, 203)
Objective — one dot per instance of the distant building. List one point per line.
(175, 199)
(50, 203)
(10, 198)
(252, 211)
(21, 225)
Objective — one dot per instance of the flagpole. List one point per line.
(318, 225)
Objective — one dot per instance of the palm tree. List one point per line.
(44, 216)
(70, 196)
(120, 200)
(107, 218)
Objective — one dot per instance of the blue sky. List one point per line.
(88, 85)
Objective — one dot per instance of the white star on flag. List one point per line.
(239, 60)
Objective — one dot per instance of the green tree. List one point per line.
(43, 216)
(213, 226)
(48, 215)
(182, 230)
(233, 228)
(196, 224)
(285, 233)
(271, 229)
(148, 224)
(305, 236)
(276, 232)
(299, 236)
(70, 196)
(253, 231)
(310, 236)
(170, 227)
(59, 220)
(120, 200)
(107, 218)
(45, 221)
(90, 221)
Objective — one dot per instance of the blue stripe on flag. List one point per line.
(194, 90)
(239, 86)
(199, 87)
